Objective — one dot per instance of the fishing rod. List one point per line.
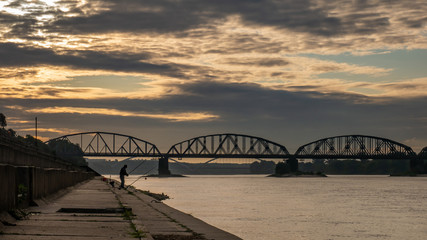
(137, 166)
(140, 177)
(112, 182)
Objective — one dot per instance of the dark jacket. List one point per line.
(123, 172)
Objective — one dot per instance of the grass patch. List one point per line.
(128, 215)
(137, 233)
(157, 196)
(18, 214)
(194, 235)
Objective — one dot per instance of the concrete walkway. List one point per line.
(95, 210)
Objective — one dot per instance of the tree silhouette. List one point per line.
(3, 122)
(262, 167)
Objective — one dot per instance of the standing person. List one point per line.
(122, 176)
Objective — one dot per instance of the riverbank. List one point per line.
(96, 210)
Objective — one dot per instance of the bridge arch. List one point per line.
(228, 145)
(355, 147)
(108, 144)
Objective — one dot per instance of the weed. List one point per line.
(22, 193)
(18, 214)
(128, 215)
(157, 196)
(137, 233)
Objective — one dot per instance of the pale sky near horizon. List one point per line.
(291, 71)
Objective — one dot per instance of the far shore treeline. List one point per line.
(356, 167)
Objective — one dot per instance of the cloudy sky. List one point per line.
(291, 71)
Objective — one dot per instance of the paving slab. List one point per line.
(161, 220)
(70, 228)
(58, 237)
(78, 217)
(48, 223)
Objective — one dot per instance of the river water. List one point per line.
(255, 207)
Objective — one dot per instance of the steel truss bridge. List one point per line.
(355, 147)
(230, 145)
(105, 144)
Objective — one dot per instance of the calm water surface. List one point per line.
(337, 207)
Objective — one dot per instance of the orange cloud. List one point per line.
(176, 117)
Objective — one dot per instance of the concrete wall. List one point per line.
(27, 175)
(48, 181)
(21, 185)
(7, 187)
(14, 153)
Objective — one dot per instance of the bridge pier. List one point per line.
(164, 166)
(417, 165)
(293, 164)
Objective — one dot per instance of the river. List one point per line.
(255, 207)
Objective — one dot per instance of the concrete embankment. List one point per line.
(96, 210)
(27, 174)
(21, 186)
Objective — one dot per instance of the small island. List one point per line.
(416, 167)
(289, 168)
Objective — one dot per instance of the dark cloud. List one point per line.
(414, 21)
(26, 26)
(262, 62)
(17, 73)
(327, 68)
(167, 16)
(7, 18)
(139, 21)
(20, 27)
(199, 18)
(238, 43)
(56, 92)
(283, 74)
(25, 29)
(14, 55)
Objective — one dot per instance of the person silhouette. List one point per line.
(123, 173)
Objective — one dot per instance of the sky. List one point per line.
(290, 71)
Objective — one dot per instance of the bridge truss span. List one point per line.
(109, 144)
(355, 147)
(228, 145)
